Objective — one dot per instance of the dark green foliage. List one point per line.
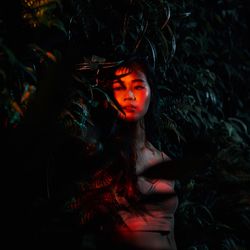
(210, 71)
(201, 55)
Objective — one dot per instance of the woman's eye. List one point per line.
(139, 87)
(117, 88)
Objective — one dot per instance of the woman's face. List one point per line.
(132, 93)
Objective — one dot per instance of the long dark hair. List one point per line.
(119, 142)
(114, 172)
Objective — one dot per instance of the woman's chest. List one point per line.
(146, 159)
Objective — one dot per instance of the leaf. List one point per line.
(117, 108)
(241, 123)
(58, 24)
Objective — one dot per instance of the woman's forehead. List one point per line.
(124, 71)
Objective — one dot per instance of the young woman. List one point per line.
(138, 211)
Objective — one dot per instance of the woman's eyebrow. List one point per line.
(118, 81)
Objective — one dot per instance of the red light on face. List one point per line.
(132, 93)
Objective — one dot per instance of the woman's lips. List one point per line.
(129, 108)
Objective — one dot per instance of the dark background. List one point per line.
(204, 114)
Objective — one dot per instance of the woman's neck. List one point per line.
(139, 136)
(132, 132)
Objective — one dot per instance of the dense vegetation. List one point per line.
(204, 63)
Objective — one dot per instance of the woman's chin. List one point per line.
(129, 117)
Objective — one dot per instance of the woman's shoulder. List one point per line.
(158, 157)
(161, 155)
(149, 157)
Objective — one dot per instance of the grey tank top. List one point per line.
(159, 214)
(160, 202)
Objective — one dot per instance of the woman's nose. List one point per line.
(129, 95)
